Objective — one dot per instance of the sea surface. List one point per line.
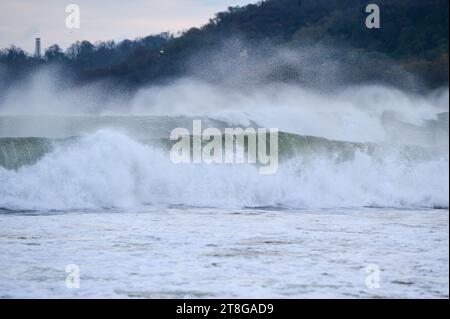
(226, 253)
(96, 200)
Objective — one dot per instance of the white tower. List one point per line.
(37, 52)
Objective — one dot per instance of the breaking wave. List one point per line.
(110, 169)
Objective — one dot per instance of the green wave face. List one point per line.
(17, 152)
(20, 151)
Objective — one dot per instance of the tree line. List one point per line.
(413, 33)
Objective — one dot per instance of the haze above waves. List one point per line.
(366, 113)
(108, 166)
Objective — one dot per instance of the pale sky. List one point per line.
(23, 20)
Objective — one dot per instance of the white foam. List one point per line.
(110, 169)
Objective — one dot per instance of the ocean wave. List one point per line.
(109, 169)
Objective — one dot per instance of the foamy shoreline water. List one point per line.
(220, 253)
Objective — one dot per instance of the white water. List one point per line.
(217, 253)
(107, 169)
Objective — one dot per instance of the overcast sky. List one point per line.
(23, 20)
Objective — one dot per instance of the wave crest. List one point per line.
(108, 169)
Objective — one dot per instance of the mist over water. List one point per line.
(115, 158)
(366, 113)
(358, 113)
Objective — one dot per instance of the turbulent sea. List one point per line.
(102, 193)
